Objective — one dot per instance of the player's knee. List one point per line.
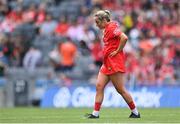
(99, 87)
(121, 91)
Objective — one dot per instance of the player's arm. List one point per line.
(123, 40)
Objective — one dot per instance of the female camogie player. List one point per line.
(113, 67)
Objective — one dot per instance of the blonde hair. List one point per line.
(103, 14)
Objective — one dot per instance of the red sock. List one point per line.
(131, 105)
(97, 106)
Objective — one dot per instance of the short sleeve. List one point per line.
(117, 32)
(114, 32)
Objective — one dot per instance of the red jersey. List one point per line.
(111, 39)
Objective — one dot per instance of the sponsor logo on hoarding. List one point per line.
(84, 97)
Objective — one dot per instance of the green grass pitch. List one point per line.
(76, 115)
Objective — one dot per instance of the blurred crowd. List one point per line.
(61, 33)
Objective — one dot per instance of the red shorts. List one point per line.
(113, 64)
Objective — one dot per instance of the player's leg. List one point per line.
(118, 82)
(102, 81)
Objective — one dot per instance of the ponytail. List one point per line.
(103, 14)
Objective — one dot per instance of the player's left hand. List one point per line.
(113, 53)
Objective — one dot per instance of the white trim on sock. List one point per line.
(135, 111)
(95, 113)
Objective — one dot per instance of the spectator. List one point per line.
(4, 7)
(48, 27)
(87, 35)
(5, 49)
(75, 30)
(7, 25)
(32, 59)
(41, 14)
(62, 26)
(84, 49)
(68, 52)
(30, 14)
(55, 57)
(96, 51)
(16, 15)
